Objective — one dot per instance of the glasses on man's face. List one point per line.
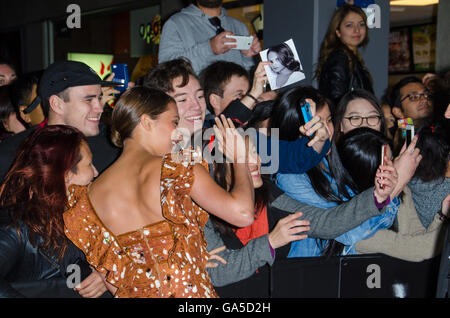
(357, 121)
(414, 97)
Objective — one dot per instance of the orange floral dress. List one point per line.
(164, 259)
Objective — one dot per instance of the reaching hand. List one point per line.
(213, 255)
(287, 230)
(316, 128)
(445, 207)
(108, 92)
(259, 79)
(406, 164)
(230, 142)
(386, 179)
(254, 49)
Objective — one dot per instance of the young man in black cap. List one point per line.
(70, 93)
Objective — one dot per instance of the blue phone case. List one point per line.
(306, 112)
(120, 76)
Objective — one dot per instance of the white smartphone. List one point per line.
(242, 42)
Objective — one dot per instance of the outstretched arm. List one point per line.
(237, 206)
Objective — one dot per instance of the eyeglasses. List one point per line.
(215, 21)
(414, 97)
(357, 121)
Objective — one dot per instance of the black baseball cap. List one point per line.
(61, 75)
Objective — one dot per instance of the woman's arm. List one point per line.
(237, 206)
(413, 242)
(332, 222)
(241, 263)
(410, 247)
(372, 225)
(10, 252)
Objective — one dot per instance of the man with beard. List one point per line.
(198, 32)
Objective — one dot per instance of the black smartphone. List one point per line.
(409, 131)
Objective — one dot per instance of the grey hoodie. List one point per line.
(187, 33)
(427, 197)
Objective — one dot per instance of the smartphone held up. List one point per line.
(121, 76)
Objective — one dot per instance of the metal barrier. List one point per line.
(356, 276)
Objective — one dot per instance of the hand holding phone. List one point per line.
(383, 153)
(407, 127)
(242, 42)
(306, 112)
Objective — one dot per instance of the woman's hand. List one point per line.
(287, 229)
(445, 207)
(406, 164)
(230, 142)
(259, 79)
(92, 286)
(386, 180)
(213, 255)
(316, 128)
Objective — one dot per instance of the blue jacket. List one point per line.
(299, 187)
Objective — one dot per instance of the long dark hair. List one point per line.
(34, 189)
(262, 194)
(359, 151)
(434, 148)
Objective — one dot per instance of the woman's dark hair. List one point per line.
(360, 154)
(262, 194)
(7, 108)
(355, 160)
(287, 115)
(261, 112)
(332, 42)
(340, 109)
(34, 189)
(131, 105)
(285, 56)
(434, 148)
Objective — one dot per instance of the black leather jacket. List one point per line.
(27, 271)
(336, 79)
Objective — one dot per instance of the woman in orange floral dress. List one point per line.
(141, 222)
